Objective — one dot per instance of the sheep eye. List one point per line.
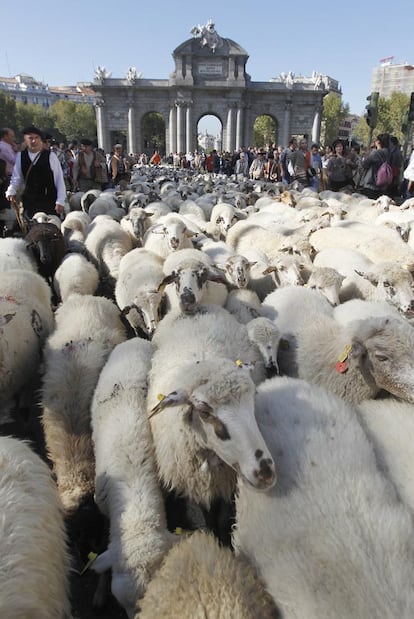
(204, 413)
(381, 356)
(386, 284)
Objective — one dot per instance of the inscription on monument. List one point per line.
(210, 68)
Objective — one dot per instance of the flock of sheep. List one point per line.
(234, 358)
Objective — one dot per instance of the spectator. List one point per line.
(257, 168)
(409, 177)
(395, 161)
(84, 168)
(156, 158)
(118, 167)
(316, 165)
(340, 168)
(285, 158)
(38, 174)
(241, 168)
(8, 150)
(371, 164)
(300, 160)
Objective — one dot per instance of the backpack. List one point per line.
(384, 175)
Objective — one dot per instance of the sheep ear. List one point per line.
(369, 275)
(175, 397)
(215, 275)
(240, 214)
(169, 279)
(357, 349)
(102, 563)
(270, 269)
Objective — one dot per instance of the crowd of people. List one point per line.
(41, 171)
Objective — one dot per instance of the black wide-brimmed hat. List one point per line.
(32, 129)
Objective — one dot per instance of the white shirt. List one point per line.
(17, 179)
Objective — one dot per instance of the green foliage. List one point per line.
(391, 113)
(153, 131)
(334, 112)
(264, 131)
(7, 111)
(74, 120)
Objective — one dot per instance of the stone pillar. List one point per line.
(229, 129)
(189, 143)
(316, 125)
(180, 126)
(239, 128)
(285, 137)
(131, 138)
(172, 147)
(101, 128)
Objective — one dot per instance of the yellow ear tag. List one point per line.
(91, 558)
(178, 531)
(343, 356)
(160, 397)
(239, 363)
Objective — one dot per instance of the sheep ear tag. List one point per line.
(341, 365)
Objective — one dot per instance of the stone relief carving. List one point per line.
(101, 73)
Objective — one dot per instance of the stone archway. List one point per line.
(209, 133)
(265, 132)
(153, 133)
(209, 78)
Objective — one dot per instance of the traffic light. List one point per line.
(372, 110)
(411, 109)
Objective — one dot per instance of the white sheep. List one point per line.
(290, 308)
(389, 424)
(15, 255)
(201, 579)
(108, 243)
(74, 227)
(357, 360)
(328, 281)
(169, 234)
(331, 539)
(266, 336)
(34, 558)
(378, 243)
(225, 215)
(244, 304)
(358, 309)
(136, 222)
(137, 290)
(127, 489)
(87, 329)
(190, 279)
(75, 275)
(26, 320)
(381, 281)
(205, 429)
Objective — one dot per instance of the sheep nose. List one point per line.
(265, 474)
(187, 300)
(174, 242)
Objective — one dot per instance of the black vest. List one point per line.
(40, 192)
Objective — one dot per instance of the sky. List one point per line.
(62, 43)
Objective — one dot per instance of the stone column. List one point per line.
(180, 126)
(239, 128)
(101, 128)
(316, 125)
(229, 129)
(172, 147)
(189, 143)
(285, 136)
(131, 139)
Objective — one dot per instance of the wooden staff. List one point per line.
(20, 220)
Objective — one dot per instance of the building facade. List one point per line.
(209, 79)
(27, 90)
(388, 78)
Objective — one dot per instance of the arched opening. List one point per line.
(153, 133)
(209, 133)
(265, 131)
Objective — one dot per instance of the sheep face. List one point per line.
(143, 313)
(190, 284)
(221, 415)
(238, 271)
(393, 284)
(386, 354)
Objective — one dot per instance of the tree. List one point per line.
(391, 113)
(264, 131)
(7, 111)
(74, 120)
(153, 131)
(334, 112)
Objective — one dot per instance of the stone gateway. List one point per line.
(209, 79)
